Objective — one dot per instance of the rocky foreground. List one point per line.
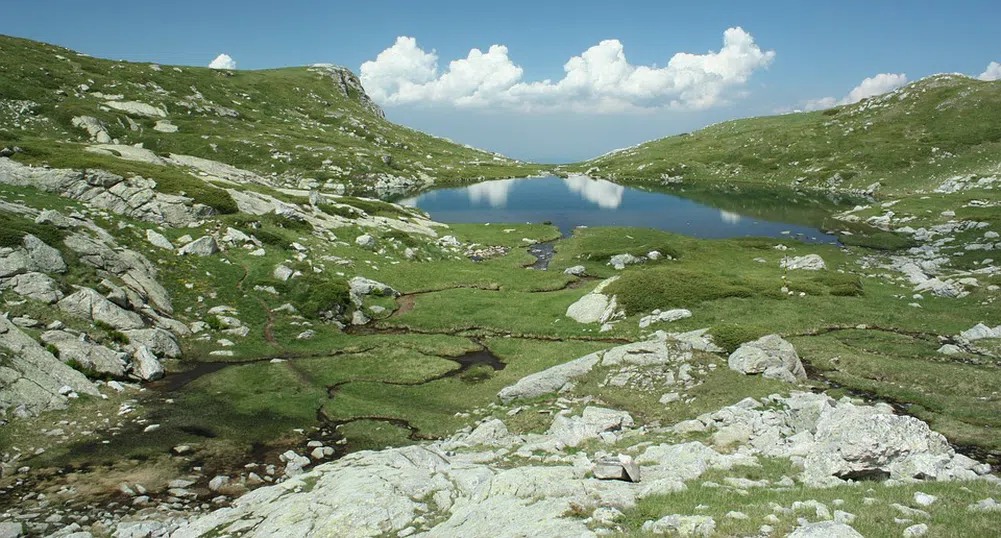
(594, 463)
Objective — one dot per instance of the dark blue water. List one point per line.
(581, 201)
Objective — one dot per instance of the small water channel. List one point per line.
(582, 201)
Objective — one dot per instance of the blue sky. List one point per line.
(820, 52)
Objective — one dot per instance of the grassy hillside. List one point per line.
(910, 139)
(313, 123)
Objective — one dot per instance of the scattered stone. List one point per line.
(810, 262)
(577, 270)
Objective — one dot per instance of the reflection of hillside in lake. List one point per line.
(581, 201)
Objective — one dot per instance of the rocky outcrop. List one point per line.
(134, 197)
(92, 357)
(437, 491)
(559, 378)
(838, 440)
(770, 356)
(825, 529)
(92, 306)
(135, 271)
(33, 256)
(32, 380)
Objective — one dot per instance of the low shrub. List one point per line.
(314, 295)
(14, 227)
(729, 336)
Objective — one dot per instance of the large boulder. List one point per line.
(137, 108)
(160, 342)
(32, 380)
(664, 317)
(571, 431)
(857, 442)
(203, 246)
(91, 305)
(769, 355)
(158, 240)
(145, 365)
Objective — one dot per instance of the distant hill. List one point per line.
(300, 127)
(912, 138)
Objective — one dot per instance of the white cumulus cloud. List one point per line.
(494, 193)
(993, 72)
(870, 87)
(601, 79)
(223, 61)
(605, 194)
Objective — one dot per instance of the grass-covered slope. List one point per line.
(909, 139)
(312, 123)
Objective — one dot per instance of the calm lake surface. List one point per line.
(581, 201)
